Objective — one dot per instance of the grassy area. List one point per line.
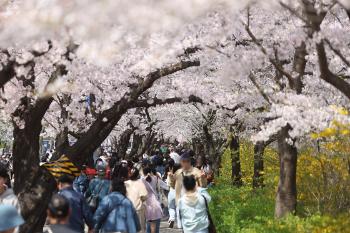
(322, 203)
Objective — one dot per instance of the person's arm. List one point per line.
(87, 214)
(172, 179)
(163, 185)
(101, 214)
(132, 220)
(205, 194)
(202, 179)
(143, 192)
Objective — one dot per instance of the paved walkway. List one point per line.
(164, 229)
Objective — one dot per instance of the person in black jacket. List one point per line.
(58, 215)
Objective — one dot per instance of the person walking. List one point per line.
(186, 170)
(58, 215)
(10, 219)
(80, 211)
(137, 193)
(203, 165)
(7, 196)
(154, 211)
(193, 207)
(171, 196)
(99, 187)
(116, 212)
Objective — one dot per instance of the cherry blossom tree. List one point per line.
(85, 68)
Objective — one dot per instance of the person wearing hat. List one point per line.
(186, 170)
(80, 211)
(58, 214)
(10, 219)
(99, 187)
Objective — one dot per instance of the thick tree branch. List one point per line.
(147, 103)
(327, 75)
(337, 52)
(106, 121)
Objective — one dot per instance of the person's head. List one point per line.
(124, 163)
(58, 210)
(64, 181)
(10, 219)
(135, 159)
(149, 172)
(101, 171)
(201, 161)
(121, 172)
(176, 167)
(145, 163)
(130, 164)
(169, 165)
(186, 161)
(118, 186)
(4, 179)
(134, 174)
(189, 183)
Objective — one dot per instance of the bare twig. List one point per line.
(261, 91)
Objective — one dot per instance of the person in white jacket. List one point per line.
(192, 207)
(7, 196)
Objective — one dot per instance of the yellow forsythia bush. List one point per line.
(323, 185)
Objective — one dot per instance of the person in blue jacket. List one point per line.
(81, 183)
(116, 212)
(80, 211)
(99, 187)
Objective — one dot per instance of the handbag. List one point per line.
(211, 228)
(94, 199)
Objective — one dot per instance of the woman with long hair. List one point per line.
(154, 211)
(137, 194)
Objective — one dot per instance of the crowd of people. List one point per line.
(128, 196)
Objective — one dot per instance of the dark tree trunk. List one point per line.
(236, 161)
(62, 144)
(146, 145)
(61, 140)
(286, 199)
(33, 184)
(258, 178)
(136, 145)
(198, 146)
(123, 143)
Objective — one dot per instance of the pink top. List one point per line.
(153, 207)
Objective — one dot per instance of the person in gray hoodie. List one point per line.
(7, 196)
